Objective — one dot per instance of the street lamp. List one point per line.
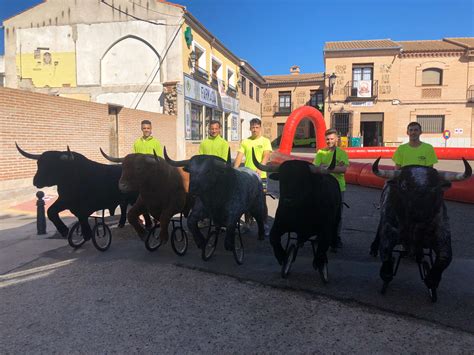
(332, 82)
(192, 59)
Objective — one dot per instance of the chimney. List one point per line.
(294, 70)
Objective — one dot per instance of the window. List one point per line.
(432, 76)
(257, 94)
(316, 98)
(244, 85)
(284, 101)
(342, 123)
(2, 79)
(208, 118)
(217, 116)
(216, 71)
(199, 65)
(196, 122)
(250, 89)
(431, 123)
(362, 72)
(231, 79)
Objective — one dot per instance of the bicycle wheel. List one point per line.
(323, 273)
(290, 257)
(101, 236)
(238, 250)
(75, 237)
(210, 247)
(179, 241)
(153, 240)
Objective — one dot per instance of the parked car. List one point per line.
(304, 142)
(297, 142)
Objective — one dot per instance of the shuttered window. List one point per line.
(432, 76)
(431, 123)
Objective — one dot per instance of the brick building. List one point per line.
(282, 94)
(382, 85)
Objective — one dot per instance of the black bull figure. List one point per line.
(309, 204)
(83, 186)
(413, 213)
(223, 194)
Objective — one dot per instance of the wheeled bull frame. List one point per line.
(211, 243)
(101, 234)
(424, 266)
(291, 251)
(179, 237)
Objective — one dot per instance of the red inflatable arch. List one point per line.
(292, 122)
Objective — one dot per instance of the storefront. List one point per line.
(203, 103)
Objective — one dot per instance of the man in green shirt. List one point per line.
(146, 144)
(263, 149)
(214, 144)
(260, 144)
(323, 158)
(415, 152)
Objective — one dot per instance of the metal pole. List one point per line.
(40, 215)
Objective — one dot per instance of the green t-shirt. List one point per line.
(217, 146)
(324, 157)
(146, 146)
(260, 145)
(422, 155)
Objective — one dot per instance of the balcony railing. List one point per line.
(282, 110)
(361, 90)
(470, 94)
(200, 73)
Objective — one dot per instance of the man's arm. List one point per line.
(238, 159)
(265, 159)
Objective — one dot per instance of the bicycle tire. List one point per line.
(180, 246)
(75, 238)
(101, 236)
(153, 241)
(210, 246)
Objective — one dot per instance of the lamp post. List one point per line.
(192, 59)
(332, 82)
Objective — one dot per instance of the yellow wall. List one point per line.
(61, 71)
(83, 97)
(210, 51)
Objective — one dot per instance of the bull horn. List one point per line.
(267, 168)
(71, 156)
(386, 174)
(333, 161)
(229, 158)
(27, 155)
(452, 176)
(176, 163)
(112, 159)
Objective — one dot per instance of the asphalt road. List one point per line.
(55, 299)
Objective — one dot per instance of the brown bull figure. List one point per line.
(163, 189)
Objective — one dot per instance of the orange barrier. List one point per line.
(361, 174)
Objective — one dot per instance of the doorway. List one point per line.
(371, 128)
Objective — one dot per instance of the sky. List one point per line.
(273, 35)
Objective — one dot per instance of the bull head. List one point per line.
(109, 158)
(26, 154)
(175, 163)
(385, 174)
(444, 175)
(275, 168)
